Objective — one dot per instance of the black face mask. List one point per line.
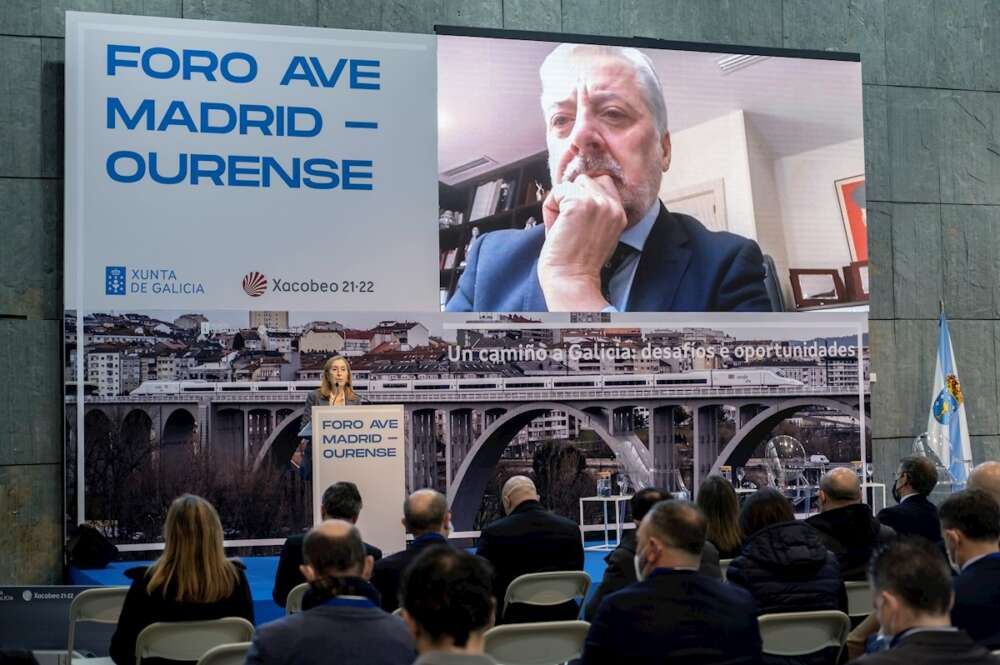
(895, 494)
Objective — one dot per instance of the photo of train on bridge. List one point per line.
(163, 404)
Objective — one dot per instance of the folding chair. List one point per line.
(803, 633)
(189, 640)
(98, 606)
(293, 603)
(724, 567)
(226, 654)
(546, 643)
(859, 599)
(547, 589)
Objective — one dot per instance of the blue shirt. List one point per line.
(620, 286)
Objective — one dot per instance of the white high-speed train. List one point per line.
(717, 379)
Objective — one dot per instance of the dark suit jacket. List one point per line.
(851, 533)
(143, 608)
(389, 571)
(531, 540)
(915, 516)
(353, 632)
(977, 601)
(620, 571)
(675, 616)
(684, 268)
(288, 576)
(931, 648)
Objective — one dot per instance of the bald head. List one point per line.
(516, 491)
(839, 487)
(426, 511)
(986, 477)
(334, 548)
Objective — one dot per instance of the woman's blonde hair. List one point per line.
(326, 387)
(193, 567)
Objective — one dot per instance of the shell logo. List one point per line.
(255, 284)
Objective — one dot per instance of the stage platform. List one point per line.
(260, 574)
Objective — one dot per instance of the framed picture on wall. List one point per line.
(814, 287)
(856, 281)
(851, 195)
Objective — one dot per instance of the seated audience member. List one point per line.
(620, 571)
(673, 614)
(426, 516)
(341, 621)
(970, 523)
(911, 584)
(784, 565)
(529, 540)
(986, 477)
(447, 600)
(717, 499)
(191, 581)
(341, 501)
(845, 525)
(915, 515)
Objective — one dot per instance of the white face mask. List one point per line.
(637, 562)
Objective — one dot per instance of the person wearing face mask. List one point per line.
(970, 524)
(336, 388)
(912, 593)
(426, 517)
(674, 614)
(915, 515)
(529, 539)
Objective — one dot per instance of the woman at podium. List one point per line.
(336, 388)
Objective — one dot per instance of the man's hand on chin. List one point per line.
(583, 221)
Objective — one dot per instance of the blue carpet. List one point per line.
(260, 574)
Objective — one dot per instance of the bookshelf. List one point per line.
(504, 198)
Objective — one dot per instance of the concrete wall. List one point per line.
(932, 127)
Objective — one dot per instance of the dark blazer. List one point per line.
(931, 648)
(620, 571)
(389, 571)
(851, 533)
(288, 576)
(916, 516)
(675, 616)
(315, 398)
(684, 268)
(143, 608)
(531, 540)
(977, 601)
(354, 631)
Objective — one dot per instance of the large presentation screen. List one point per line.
(602, 263)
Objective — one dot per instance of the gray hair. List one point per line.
(645, 73)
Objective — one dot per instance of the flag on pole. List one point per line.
(947, 428)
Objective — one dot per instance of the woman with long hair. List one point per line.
(336, 388)
(717, 499)
(191, 581)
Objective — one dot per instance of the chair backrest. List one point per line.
(552, 588)
(802, 633)
(293, 603)
(189, 640)
(724, 566)
(398, 611)
(773, 285)
(546, 643)
(226, 654)
(859, 599)
(98, 605)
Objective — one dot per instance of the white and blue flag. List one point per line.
(947, 428)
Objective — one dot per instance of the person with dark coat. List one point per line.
(915, 514)
(191, 581)
(784, 565)
(845, 525)
(341, 501)
(426, 517)
(912, 588)
(529, 540)
(620, 571)
(970, 523)
(674, 614)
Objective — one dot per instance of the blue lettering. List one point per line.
(117, 110)
(322, 178)
(206, 125)
(298, 70)
(271, 164)
(264, 124)
(154, 171)
(235, 170)
(351, 176)
(172, 59)
(207, 69)
(214, 174)
(328, 81)
(296, 111)
(177, 114)
(114, 62)
(112, 166)
(227, 62)
(357, 74)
